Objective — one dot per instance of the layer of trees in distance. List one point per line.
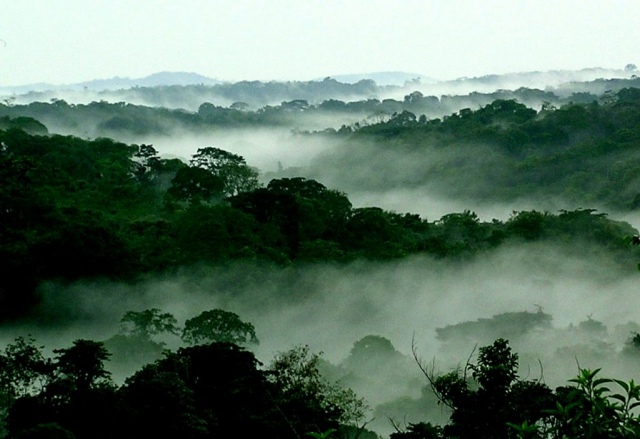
(76, 209)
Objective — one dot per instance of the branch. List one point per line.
(466, 366)
(428, 373)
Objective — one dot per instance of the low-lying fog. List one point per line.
(267, 149)
(329, 307)
(190, 98)
(373, 175)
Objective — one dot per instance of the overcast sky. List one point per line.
(66, 41)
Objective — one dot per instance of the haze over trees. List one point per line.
(88, 221)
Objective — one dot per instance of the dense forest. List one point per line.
(504, 151)
(93, 217)
(78, 209)
(311, 105)
(188, 91)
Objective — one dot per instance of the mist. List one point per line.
(543, 80)
(329, 307)
(400, 181)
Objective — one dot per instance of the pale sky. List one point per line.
(67, 41)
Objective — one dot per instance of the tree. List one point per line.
(231, 168)
(21, 365)
(135, 344)
(632, 346)
(240, 106)
(213, 390)
(373, 345)
(217, 325)
(515, 325)
(329, 209)
(82, 365)
(193, 183)
(492, 398)
(148, 323)
(413, 98)
(306, 398)
(147, 160)
(373, 354)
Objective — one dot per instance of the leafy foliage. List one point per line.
(22, 366)
(217, 325)
(592, 410)
(305, 397)
(148, 323)
(81, 366)
(194, 184)
(512, 324)
(493, 397)
(231, 169)
(78, 209)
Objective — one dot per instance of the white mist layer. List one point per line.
(330, 307)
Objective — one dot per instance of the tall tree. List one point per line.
(148, 323)
(217, 325)
(81, 366)
(231, 168)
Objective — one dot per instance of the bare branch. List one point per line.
(428, 373)
(362, 427)
(541, 379)
(468, 363)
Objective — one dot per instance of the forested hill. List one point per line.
(189, 91)
(581, 154)
(78, 209)
(166, 111)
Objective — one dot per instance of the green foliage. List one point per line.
(592, 410)
(215, 234)
(503, 151)
(148, 323)
(77, 209)
(499, 400)
(497, 367)
(211, 390)
(231, 169)
(22, 366)
(509, 324)
(632, 346)
(214, 390)
(371, 346)
(219, 390)
(81, 367)
(217, 325)
(503, 406)
(193, 183)
(298, 212)
(26, 124)
(137, 339)
(305, 397)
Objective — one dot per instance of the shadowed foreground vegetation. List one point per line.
(220, 389)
